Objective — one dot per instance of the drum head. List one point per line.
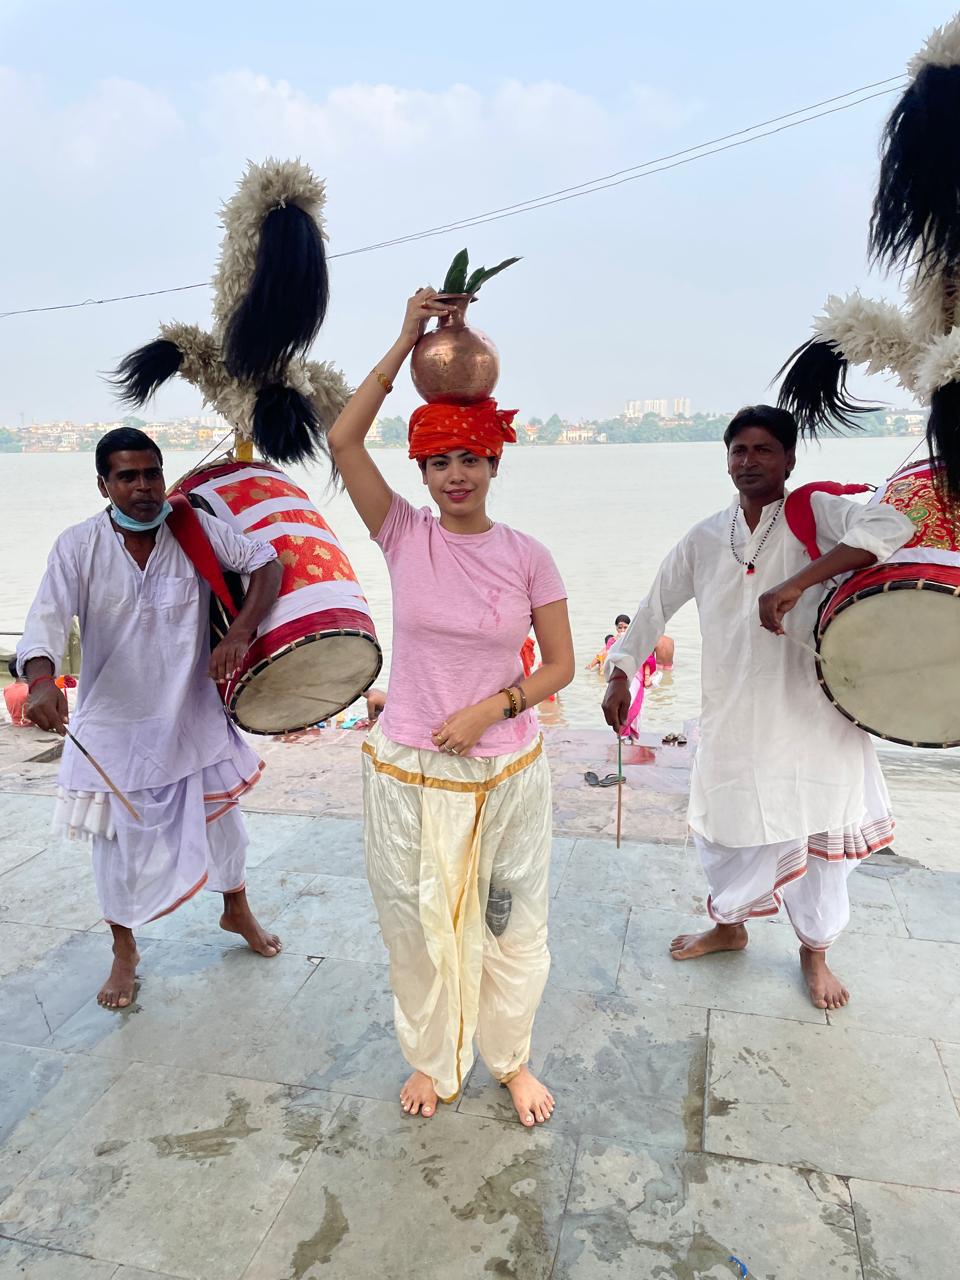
(310, 681)
(889, 660)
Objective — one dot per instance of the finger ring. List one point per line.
(454, 751)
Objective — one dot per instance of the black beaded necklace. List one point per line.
(750, 565)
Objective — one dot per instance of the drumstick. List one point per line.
(619, 786)
(104, 775)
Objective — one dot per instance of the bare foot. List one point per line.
(119, 989)
(722, 937)
(418, 1096)
(238, 918)
(533, 1100)
(826, 989)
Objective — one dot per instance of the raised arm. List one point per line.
(369, 492)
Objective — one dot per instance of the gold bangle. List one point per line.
(513, 710)
(384, 381)
(523, 698)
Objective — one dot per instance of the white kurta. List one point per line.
(776, 761)
(151, 715)
(147, 709)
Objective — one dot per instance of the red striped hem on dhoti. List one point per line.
(791, 865)
(231, 799)
(855, 843)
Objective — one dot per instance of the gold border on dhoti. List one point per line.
(450, 784)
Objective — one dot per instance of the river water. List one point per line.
(608, 513)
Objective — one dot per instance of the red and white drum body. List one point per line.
(889, 636)
(317, 650)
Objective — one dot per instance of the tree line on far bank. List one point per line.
(649, 429)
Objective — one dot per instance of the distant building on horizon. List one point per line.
(677, 407)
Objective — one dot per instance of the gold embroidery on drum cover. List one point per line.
(294, 516)
(306, 561)
(244, 494)
(917, 498)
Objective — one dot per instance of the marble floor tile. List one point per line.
(901, 985)
(195, 1005)
(950, 1057)
(63, 971)
(14, 854)
(638, 1212)
(271, 832)
(455, 1197)
(55, 888)
(843, 1101)
(930, 902)
(586, 942)
(622, 1068)
(560, 853)
(27, 1262)
(335, 1034)
(333, 917)
(26, 819)
(224, 1152)
(42, 1094)
(765, 978)
(321, 846)
(638, 875)
(905, 1231)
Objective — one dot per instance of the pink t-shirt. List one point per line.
(462, 606)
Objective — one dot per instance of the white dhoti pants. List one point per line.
(808, 876)
(458, 856)
(191, 837)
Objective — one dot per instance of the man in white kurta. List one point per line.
(148, 710)
(786, 795)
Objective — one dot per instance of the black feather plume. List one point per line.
(917, 205)
(139, 374)
(814, 389)
(943, 436)
(282, 311)
(285, 425)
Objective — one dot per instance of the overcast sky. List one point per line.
(123, 126)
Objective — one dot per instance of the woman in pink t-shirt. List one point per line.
(457, 814)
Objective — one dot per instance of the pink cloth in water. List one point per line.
(462, 607)
(637, 690)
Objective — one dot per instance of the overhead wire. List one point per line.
(661, 164)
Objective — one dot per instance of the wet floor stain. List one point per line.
(108, 1148)
(319, 1248)
(514, 1192)
(209, 1144)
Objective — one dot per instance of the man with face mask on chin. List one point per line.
(786, 794)
(148, 709)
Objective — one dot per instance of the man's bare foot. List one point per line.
(418, 1096)
(238, 918)
(119, 989)
(722, 937)
(533, 1100)
(826, 989)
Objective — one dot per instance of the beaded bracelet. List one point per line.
(511, 712)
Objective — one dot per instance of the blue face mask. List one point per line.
(139, 526)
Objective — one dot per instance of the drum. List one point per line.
(888, 637)
(317, 650)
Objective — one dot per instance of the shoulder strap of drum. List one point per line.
(185, 526)
(798, 510)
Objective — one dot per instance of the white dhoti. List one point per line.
(192, 836)
(808, 876)
(458, 856)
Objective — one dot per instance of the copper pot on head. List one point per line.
(454, 362)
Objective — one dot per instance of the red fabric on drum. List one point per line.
(798, 510)
(327, 621)
(188, 531)
(885, 575)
